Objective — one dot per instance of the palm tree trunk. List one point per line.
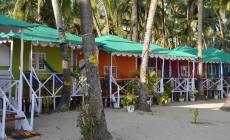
(134, 21)
(200, 47)
(91, 67)
(142, 100)
(65, 98)
(221, 30)
(163, 23)
(189, 14)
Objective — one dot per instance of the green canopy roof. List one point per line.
(43, 33)
(6, 21)
(112, 43)
(215, 55)
(209, 54)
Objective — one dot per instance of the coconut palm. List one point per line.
(134, 21)
(142, 103)
(91, 68)
(200, 47)
(65, 98)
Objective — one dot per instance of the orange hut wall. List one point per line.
(126, 66)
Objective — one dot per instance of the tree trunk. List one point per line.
(134, 21)
(65, 97)
(189, 15)
(142, 100)
(200, 46)
(91, 66)
(221, 30)
(163, 23)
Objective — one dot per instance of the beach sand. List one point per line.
(164, 122)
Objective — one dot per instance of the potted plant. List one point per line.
(129, 101)
(192, 95)
(162, 98)
(46, 102)
(181, 98)
(168, 91)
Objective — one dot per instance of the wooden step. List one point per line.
(8, 114)
(9, 119)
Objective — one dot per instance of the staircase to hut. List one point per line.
(10, 112)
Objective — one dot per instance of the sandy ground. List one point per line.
(165, 122)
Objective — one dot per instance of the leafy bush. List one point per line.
(129, 99)
(195, 114)
(162, 98)
(86, 122)
(193, 93)
(152, 80)
(47, 101)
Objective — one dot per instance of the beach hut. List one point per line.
(39, 64)
(12, 107)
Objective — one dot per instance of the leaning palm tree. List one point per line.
(134, 21)
(200, 46)
(91, 70)
(142, 102)
(65, 98)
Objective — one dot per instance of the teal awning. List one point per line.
(6, 21)
(116, 44)
(43, 33)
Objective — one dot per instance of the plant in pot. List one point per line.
(168, 90)
(129, 101)
(162, 98)
(192, 95)
(181, 98)
(47, 102)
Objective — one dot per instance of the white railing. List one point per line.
(115, 96)
(9, 107)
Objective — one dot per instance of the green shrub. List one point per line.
(129, 99)
(162, 98)
(86, 122)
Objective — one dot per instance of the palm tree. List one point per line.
(142, 100)
(91, 67)
(134, 21)
(65, 98)
(200, 47)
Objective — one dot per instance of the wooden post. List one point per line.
(162, 77)
(193, 75)
(31, 68)
(110, 78)
(21, 73)
(11, 55)
(221, 81)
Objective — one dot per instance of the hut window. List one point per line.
(211, 69)
(107, 71)
(37, 61)
(184, 70)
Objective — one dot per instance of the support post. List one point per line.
(193, 75)
(110, 78)
(162, 77)
(31, 69)
(11, 56)
(221, 81)
(21, 73)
